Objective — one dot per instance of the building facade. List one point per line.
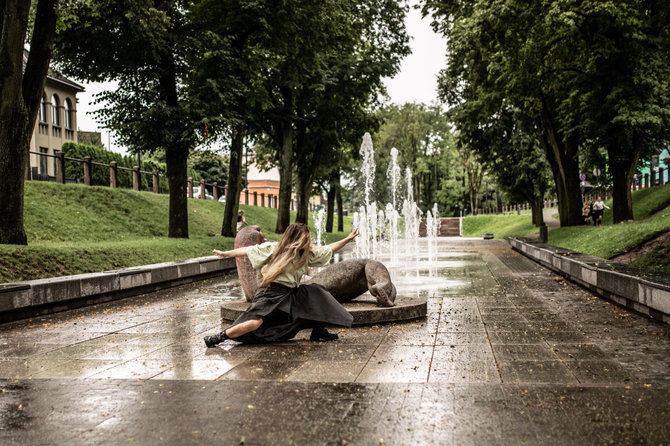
(266, 183)
(56, 123)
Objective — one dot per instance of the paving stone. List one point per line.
(536, 372)
(508, 354)
(522, 352)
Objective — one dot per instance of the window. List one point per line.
(55, 111)
(43, 160)
(68, 114)
(43, 108)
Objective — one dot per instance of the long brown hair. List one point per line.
(294, 247)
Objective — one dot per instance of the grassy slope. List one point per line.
(502, 226)
(74, 229)
(611, 239)
(650, 208)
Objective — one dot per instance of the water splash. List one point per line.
(320, 225)
(412, 216)
(380, 227)
(394, 173)
(368, 155)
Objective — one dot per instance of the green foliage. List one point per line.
(591, 73)
(75, 229)
(210, 166)
(100, 174)
(424, 140)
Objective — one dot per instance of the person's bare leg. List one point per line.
(243, 328)
(233, 332)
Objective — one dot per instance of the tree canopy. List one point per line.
(587, 74)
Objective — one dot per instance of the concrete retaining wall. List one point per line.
(642, 291)
(30, 298)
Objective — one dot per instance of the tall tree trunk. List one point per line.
(332, 193)
(177, 148)
(304, 188)
(537, 208)
(175, 160)
(285, 178)
(623, 168)
(20, 98)
(229, 225)
(563, 157)
(340, 207)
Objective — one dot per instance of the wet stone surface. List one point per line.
(509, 353)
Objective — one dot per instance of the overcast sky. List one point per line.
(416, 81)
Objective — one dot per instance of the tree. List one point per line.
(148, 47)
(20, 98)
(593, 74)
(210, 166)
(227, 80)
(513, 153)
(503, 51)
(422, 135)
(368, 42)
(620, 90)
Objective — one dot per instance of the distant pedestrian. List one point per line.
(241, 221)
(586, 213)
(598, 209)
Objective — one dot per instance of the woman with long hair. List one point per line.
(282, 306)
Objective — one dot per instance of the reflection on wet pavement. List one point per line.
(508, 353)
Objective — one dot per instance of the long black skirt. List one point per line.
(285, 311)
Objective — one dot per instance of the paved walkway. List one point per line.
(509, 354)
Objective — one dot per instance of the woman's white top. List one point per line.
(259, 254)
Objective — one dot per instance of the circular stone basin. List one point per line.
(364, 309)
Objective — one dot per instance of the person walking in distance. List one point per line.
(598, 209)
(586, 213)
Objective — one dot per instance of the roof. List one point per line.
(54, 75)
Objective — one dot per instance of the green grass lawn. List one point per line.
(652, 217)
(74, 229)
(651, 208)
(501, 226)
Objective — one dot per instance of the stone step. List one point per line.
(364, 309)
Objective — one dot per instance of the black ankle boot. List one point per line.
(319, 333)
(211, 341)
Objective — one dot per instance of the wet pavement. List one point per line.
(509, 354)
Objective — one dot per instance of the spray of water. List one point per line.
(320, 225)
(368, 155)
(379, 227)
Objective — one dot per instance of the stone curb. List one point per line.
(644, 292)
(364, 309)
(25, 299)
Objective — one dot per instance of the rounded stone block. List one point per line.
(364, 309)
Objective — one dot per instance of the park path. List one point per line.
(509, 353)
(549, 220)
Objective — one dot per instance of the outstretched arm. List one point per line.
(239, 252)
(336, 246)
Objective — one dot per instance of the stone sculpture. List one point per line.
(345, 280)
(349, 279)
(249, 277)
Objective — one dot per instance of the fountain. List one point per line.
(320, 226)
(411, 261)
